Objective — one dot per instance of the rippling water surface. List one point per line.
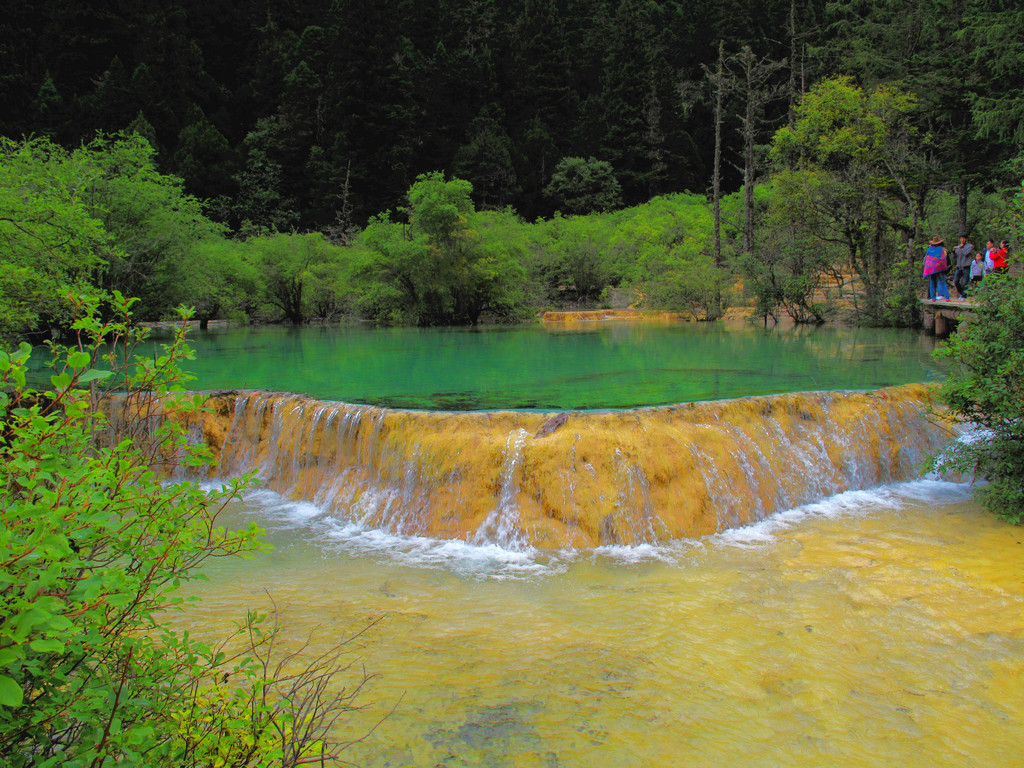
(880, 627)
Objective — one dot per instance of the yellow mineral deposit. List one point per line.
(603, 477)
(598, 315)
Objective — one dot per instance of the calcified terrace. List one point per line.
(601, 477)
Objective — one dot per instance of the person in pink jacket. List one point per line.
(935, 266)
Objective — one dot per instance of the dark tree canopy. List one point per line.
(272, 104)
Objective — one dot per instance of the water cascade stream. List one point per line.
(754, 582)
(637, 476)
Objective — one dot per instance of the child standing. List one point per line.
(989, 253)
(977, 272)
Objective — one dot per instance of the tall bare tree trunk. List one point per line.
(792, 64)
(749, 131)
(757, 75)
(716, 183)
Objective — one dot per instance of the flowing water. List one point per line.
(879, 627)
(644, 475)
(636, 588)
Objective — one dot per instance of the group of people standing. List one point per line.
(969, 267)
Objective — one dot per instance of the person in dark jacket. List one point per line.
(962, 258)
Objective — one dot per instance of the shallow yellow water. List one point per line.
(868, 631)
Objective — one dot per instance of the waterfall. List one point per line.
(604, 477)
(502, 525)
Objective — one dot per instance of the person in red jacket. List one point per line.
(999, 264)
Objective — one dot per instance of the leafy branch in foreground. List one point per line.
(985, 387)
(94, 547)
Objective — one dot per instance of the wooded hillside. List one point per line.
(323, 113)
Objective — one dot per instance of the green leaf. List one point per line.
(10, 692)
(46, 645)
(79, 359)
(93, 375)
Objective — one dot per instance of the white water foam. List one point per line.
(464, 558)
(849, 503)
(490, 560)
(294, 513)
(485, 560)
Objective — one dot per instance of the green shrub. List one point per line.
(985, 387)
(94, 547)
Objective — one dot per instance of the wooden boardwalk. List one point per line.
(942, 317)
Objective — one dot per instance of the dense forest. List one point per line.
(290, 114)
(846, 128)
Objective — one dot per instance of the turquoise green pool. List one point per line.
(611, 365)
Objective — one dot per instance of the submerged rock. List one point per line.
(549, 426)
